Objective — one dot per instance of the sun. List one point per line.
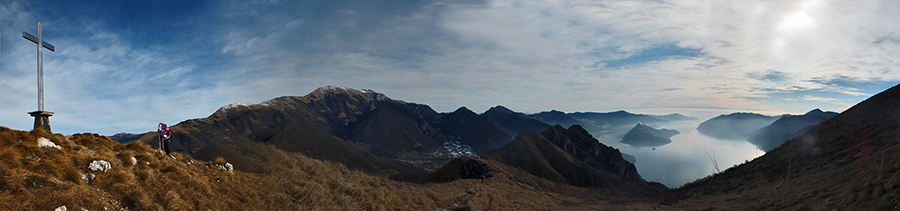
(796, 22)
(800, 20)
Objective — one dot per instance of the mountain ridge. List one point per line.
(787, 127)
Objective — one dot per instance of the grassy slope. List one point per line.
(36, 178)
(40, 178)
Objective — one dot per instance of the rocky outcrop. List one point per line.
(45, 142)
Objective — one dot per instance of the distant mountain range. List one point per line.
(616, 123)
(766, 132)
(735, 126)
(367, 131)
(125, 137)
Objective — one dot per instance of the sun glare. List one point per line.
(796, 22)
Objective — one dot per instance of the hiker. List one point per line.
(165, 133)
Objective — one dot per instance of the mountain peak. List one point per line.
(335, 89)
(500, 109)
(332, 90)
(814, 111)
(464, 110)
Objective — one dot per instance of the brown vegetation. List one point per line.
(40, 178)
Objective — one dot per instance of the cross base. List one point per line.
(41, 120)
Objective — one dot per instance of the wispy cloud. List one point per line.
(826, 99)
(119, 72)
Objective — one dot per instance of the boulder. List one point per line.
(87, 178)
(100, 165)
(45, 142)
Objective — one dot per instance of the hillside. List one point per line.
(46, 178)
(386, 131)
(572, 156)
(847, 161)
(138, 178)
(735, 126)
(787, 127)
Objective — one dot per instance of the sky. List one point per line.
(124, 66)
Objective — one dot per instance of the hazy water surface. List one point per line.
(685, 159)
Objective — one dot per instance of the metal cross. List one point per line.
(40, 61)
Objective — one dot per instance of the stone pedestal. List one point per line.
(42, 120)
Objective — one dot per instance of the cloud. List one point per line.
(531, 56)
(98, 80)
(827, 100)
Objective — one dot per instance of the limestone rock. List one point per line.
(227, 167)
(87, 178)
(45, 142)
(99, 165)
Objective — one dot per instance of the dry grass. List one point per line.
(36, 178)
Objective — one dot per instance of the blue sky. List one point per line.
(123, 66)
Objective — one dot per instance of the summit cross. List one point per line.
(41, 117)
